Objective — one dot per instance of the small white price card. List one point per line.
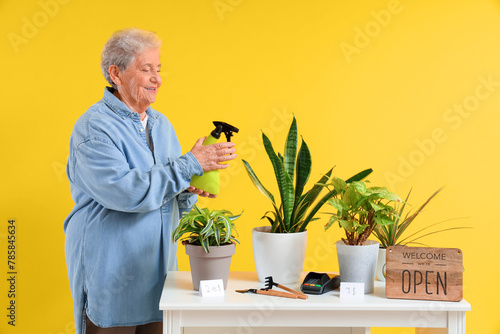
(211, 288)
(352, 290)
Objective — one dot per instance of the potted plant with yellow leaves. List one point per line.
(279, 249)
(209, 241)
(359, 211)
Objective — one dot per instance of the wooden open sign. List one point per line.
(424, 273)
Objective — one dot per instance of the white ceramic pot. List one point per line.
(357, 264)
(380, 271)
(280, 255)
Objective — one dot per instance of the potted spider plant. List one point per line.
(359, 210)
(209, 241)
(394, 234)
(279, 248)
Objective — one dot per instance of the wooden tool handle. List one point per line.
(299, 294)
(277, 294)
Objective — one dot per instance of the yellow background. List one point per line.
(372, 83)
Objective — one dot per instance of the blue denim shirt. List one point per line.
(128, 199)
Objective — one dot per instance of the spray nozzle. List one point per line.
(223, 127)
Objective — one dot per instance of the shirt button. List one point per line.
(142, 130)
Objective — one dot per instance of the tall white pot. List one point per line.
(380, 272)
(280, 255)
(357, 263)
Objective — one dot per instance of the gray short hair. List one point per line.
(122, 47)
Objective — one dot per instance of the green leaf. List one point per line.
(347, 225)
(361, 228)
(271, 221)
(198, 210)
(207, 227)
(300, 210)
(310, 198)
(360, 176)
(378, 207)
(304, 164)
(337, 204)
(331, 221)
(284, 183)
(281, 158)
(359, 187)
(383, 220)
(217, 234)
(351, 197)
(205, 244)
(339, 184)
(279, 224)
(256, 182)
(382, 192)
(228, 227)
(314, 192)
(291, 150)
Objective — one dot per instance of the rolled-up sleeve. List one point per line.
(186, 202)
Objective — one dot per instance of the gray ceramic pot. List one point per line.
(357, 264)
(208, 266)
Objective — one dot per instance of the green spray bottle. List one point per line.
(210, 180)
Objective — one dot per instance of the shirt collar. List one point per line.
(121, 108)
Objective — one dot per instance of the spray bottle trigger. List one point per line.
(227, 129)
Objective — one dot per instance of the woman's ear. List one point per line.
(114, 73)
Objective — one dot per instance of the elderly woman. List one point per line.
(130, 184)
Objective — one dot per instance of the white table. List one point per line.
(184, 307)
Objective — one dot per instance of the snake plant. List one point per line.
(206, 228)
(292, 170)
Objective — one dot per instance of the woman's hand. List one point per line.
(211, 156)
(200, 192)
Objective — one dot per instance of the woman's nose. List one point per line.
(156, 78)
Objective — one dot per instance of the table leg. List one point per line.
(171, 322)
(456, 325)
(456, 322)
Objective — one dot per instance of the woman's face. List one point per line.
(139, 83)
